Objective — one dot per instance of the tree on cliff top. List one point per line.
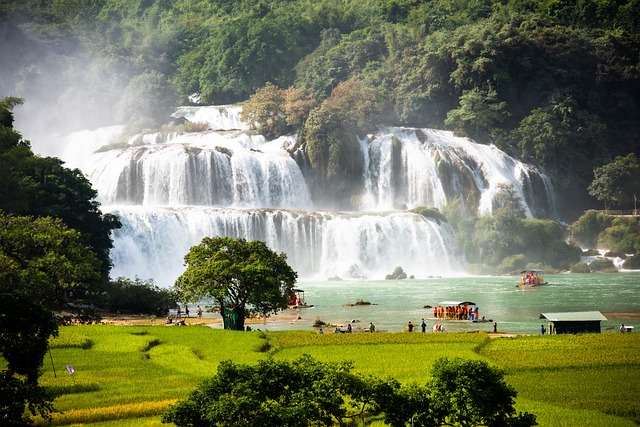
(237, 274)
(617, 183)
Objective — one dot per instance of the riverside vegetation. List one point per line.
(129, 375)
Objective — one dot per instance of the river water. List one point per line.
(515, 310)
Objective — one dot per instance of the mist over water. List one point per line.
(172, 189)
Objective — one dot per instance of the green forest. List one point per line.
(555, 83)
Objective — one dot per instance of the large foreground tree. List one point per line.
(40, 258)
(237, 274)
(43, 187)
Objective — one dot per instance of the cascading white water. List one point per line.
(153, 241)
(171, 190)
(423, 155)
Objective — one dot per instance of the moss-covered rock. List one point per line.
(616, 254)
(430, 213)
(591, 252)
(581, 267)
(632, 263)
(398, 274)
(602, 264)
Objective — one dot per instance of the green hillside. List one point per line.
(554, 82)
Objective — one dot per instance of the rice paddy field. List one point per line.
(128, 375)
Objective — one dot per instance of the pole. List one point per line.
(52, 365)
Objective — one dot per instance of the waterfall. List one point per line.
(173, 188)
(412, 167)
(153, 241)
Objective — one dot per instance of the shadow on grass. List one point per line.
(57, 391)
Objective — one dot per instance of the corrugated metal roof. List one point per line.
(573, 316)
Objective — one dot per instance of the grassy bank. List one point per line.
(128, 375)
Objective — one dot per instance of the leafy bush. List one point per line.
(430, 213)
(622, 236)
(512, 264)
(137, 296)
(586, 229)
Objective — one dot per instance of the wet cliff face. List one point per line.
(173, 189)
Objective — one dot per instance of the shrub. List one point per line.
(512, 264)
(586, 229)
(433, 213)
(137, 296)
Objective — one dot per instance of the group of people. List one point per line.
(530, 279)
(456, 312)
(438, 327)
(186, 312)
(423, 326)
(340, 331)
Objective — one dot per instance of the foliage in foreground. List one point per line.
(120, 376)
(307, 392)
(40, 258)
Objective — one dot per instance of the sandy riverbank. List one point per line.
(207, 319)
(282, 320)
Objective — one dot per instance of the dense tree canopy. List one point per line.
(42, 257)
(472, 393)
(238, 275)
(554, 82)
(43, 187)
(617, 183)
(306, 392)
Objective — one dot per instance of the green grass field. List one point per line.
(128, 375)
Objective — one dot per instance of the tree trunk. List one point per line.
(238, 318)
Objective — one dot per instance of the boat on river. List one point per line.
(458, 311)
(532, 277)
(296, 299)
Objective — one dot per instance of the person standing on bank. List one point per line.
(410, 327)
(424, 326)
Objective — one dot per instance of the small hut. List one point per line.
(573, 322)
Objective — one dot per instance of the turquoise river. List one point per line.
(515, 310)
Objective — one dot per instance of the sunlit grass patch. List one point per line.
(555, 351)
(607, 389)
(108, 413)
(549, 414)
(311, 338)
(405, 357)
(70, 340)
(142, 363)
